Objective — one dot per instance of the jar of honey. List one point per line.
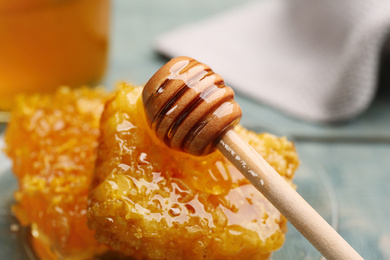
(45, 44)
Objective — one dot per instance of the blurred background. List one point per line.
(345, 163)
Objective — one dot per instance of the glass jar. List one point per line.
(48, 43)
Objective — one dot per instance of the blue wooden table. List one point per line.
(346, 167)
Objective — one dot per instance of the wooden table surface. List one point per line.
(355, 155)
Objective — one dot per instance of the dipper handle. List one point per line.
(298, 212)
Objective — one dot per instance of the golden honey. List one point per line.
(145, 200)
(52, 141)
(151, 202)
(50, 43)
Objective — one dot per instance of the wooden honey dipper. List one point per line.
(190, 109)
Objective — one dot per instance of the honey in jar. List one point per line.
(48, 43)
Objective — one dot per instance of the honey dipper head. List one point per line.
(188, 106)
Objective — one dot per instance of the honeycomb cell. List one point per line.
(52, 141)
(151, 202)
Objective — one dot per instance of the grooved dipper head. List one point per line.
(188, 106)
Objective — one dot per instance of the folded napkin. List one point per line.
(316, 60)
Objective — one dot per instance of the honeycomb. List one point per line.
(151, 202)
(52, 141)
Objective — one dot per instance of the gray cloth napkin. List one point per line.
(316, 60)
